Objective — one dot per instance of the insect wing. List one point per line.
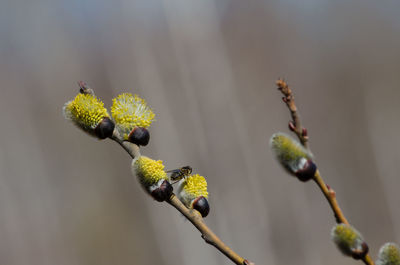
(175, 174)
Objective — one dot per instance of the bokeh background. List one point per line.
(208, 70)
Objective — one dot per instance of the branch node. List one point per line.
(207, 239)
(292, 126)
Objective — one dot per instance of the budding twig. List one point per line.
(301, 133)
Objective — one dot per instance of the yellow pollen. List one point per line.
(149, 171)
(130, 111)
(85, 110)
(195, 186)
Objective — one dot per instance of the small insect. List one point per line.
(179, 173)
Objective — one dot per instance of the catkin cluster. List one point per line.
(130, 119)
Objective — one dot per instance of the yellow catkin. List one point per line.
(130, 111)
(86, 111)
(195, 186)
(148, 171)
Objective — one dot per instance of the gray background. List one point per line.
(208, 69)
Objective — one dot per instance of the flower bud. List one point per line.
(88, 113)
(349, 241)
(192, 191)
(293, 156)
(389, 254)
(139, 136)
(130, 113)
(201, 205)
(152, 177)
(104, 129)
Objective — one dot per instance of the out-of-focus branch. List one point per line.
(302, 135)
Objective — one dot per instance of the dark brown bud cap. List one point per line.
(307, 172)
(201, 204)
(163, 192)
(359, 254)
(139, 136)
(104, 129)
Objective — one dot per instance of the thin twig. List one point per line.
(209, 237)
(132, 149)
(295, 126)
(295, 123)
(330, 195)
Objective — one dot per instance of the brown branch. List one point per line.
(295, 126)
(132, 149)
(295, 123)
(209, 237)
(330, 195)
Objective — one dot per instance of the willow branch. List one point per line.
(192, 215)
(206, 233)
(295, 126)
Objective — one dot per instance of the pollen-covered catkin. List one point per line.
(152, 177)
(88, 113)
(130, 111)
(192, 191)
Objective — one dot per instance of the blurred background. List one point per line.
(208, 69)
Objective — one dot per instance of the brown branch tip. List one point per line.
(295, 123)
